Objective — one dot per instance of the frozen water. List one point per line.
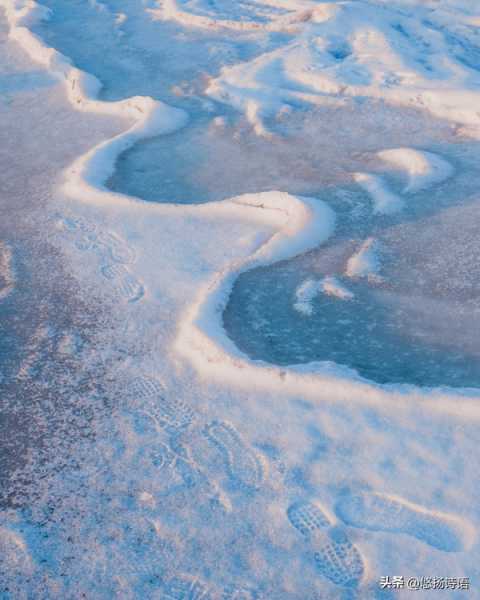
(367, 334)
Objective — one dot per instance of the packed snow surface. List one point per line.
(269, 209)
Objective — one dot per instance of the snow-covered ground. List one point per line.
(239, 298)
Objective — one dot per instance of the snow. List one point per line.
(209, 470)
(365, 262)
(384, 201)
(333, 287)
(310, 288)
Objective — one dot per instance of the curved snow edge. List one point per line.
(201, 338)
(305, 223)
(86, 177)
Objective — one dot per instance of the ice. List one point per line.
(223, 368)
(181, 167)
(366, 333)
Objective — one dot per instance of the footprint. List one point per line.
(338, 559)
(242, 464)
(307, 518)
(124, 283)
(89, 237)
(78, 225)
(172, 412)
(195, 474)
(191, 474)
(119, 250)
(176, 475)
(85, 231)
(148, 394)
(335, 556)
(379, 512)
(87, 242)
(144, 387)
(160, 456)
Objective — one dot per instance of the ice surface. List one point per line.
(416, 270)
(149, 453)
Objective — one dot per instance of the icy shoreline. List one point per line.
(202, 337)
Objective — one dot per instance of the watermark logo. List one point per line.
(424, 583)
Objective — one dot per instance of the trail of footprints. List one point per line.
(380, 512)
(180, 473)
(148, 397)
(340, 561)
(242, 464)
(116, 256)
(335, 556)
